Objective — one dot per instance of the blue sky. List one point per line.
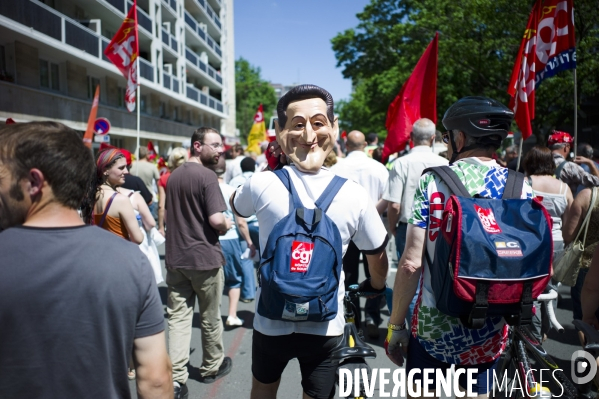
(291, 39)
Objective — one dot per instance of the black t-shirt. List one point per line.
(136, 184)
(72, 300)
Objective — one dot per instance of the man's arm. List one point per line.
(244, 231)
(589, 163)
(408, 274)
(378, 266)
(153, 367)
(381, 206)
(393, 215)
(219, 222)
(573, 173)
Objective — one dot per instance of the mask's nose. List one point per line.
(309, 135)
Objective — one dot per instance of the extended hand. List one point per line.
(396, 345)
(582, 160)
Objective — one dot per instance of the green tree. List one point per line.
(478, 43)
(251, 91)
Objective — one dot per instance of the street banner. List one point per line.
(89, 132)
(417, 99)
(548, 47)
(258, 133)
(123, 51)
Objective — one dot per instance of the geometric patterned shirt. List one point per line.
(445, 337)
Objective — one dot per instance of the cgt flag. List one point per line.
(258, 133)
(548, 47)
(123, 51)
(417, 99)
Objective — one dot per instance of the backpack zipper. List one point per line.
(449, 219)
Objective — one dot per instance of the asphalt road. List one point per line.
(238, 343)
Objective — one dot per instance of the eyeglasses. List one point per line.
(445, 137)
(215, 146)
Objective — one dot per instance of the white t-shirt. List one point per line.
(405, 175)
(233, 168)
(352, 211)
(365, 171)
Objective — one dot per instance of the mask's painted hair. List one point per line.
(303, 92)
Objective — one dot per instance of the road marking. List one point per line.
(231, 353)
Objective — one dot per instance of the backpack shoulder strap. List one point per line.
(559, 169)
(329, 193)
(283, 175)
(452, 180)
(513, 185)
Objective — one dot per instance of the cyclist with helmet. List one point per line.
(475, 128)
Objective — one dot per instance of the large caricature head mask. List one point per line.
(307, 128)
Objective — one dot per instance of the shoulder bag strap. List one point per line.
(452, 180)
(283, 175)
(329, 193)
(106, 210)
(587, 219)
(513, 185)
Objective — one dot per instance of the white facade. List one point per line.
(51, 59)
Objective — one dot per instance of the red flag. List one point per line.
(123, 51)
(89, 132)
(151, 151)
(417, 99)
(548, 47)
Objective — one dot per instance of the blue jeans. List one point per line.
(400, 243)
(248, 283)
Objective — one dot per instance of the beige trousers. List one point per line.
(183, 287)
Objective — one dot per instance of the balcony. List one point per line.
(203, 98)
(202, 37)
(207, 70)
(146, 69)
(170, 41)
(171, 5)
(170, 82)
(203, 12)
(143, 19)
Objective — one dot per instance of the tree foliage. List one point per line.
(251, 91)
(478, 44)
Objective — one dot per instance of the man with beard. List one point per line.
(194, 260)
(77, 301)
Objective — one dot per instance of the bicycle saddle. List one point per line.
(591, 336)
(360, 348)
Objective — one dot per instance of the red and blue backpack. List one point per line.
(493, 256)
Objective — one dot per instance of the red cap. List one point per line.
(557, 137)
(127, 155)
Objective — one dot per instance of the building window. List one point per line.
(121, 96)
(162, 109)
(116, 142)
(92, 83)
(49, 76)
(143, 104)
(176, 113)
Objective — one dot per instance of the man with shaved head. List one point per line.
(403, 181)
(373, 176)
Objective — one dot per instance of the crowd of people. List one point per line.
(79, 239)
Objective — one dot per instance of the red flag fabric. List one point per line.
(89, 132)
(151, 151)
(123, 51)
(548, 47)
(417, 99)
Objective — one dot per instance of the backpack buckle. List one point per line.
(478, 314)
(525, 317)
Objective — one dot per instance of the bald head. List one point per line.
(355, 141)
(423, 131)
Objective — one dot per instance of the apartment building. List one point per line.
(52, 58)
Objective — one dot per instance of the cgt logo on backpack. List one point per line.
(301, 255)
(487, 218)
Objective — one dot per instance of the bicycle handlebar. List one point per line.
(550, 298)
(353, 291)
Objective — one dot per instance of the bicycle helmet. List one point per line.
(477, 117)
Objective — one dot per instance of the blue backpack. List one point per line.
(302, 261)
(492, 256)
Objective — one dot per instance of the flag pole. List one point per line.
(575, 115)
(519, 152)
(138, 108)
